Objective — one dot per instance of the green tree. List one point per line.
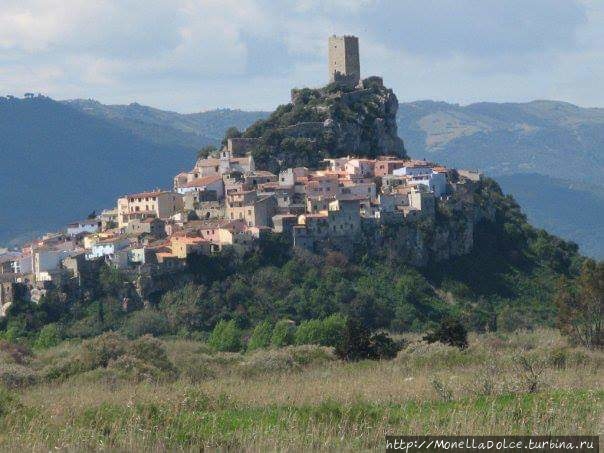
(451, 331)
(581, 306)
(143, 322)
(355, 344)
(283, 333)
(206, 151)
(226, 336)
(325, 332)
(48, 337)
(111, 280)
(261, 336)
(183, 307)
(231, 132)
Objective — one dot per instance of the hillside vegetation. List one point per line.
(180, 394)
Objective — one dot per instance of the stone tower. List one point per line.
(344, 65)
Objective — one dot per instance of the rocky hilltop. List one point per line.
(332, 121)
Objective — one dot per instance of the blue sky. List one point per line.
(192, 55)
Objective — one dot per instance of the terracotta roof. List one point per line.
(200, 182)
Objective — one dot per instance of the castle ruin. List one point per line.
(344, 62)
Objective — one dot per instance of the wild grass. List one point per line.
(303, 398)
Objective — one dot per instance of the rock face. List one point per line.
(362, 122)
(433, 239)
(374, 130)
(333, 121)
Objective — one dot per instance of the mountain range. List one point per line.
(62, 159)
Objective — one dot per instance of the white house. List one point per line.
(435, 181)
(413, 170)
(45, 261)
(84, 226)
(204, 184)
(107, 248)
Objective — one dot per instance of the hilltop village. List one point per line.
(225, 202)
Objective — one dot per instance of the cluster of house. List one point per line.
(225, 202)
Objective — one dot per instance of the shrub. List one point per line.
(226, 336)
(581, 306)
(145, 322)
(511, 320)
(261, 336)
(15, 332)
(383, 347)
(312, 354)
(438, 355)
(138, 370)
(97, 352)
(14, 353)
(529, 370)
(326, 332)
(358, 344)
(264, 361)
(8, 401)
(283, 333)
(151, 351)
(355, 344)
(309, 332)
(450, 331)
(48, 337)
(13, 376)
(290, 358)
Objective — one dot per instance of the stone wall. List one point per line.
(241, 146)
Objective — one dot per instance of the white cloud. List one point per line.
(194, 54)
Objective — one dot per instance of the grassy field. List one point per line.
(297, 397)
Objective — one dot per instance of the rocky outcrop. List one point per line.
(422, 240)
(333, 121)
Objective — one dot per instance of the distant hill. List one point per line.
(58, 164)
(551, 138)
(192, 130)
(548, 154)
(563, 208)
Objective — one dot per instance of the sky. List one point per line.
(194, 55)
